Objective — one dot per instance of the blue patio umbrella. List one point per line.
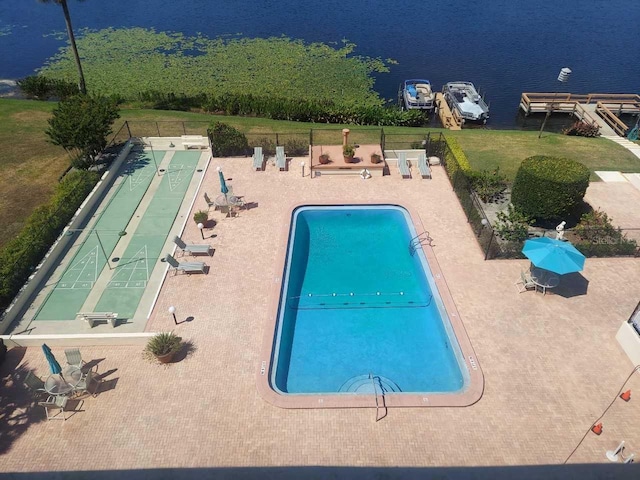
(223, 184)
(554, 255)
(53, 363)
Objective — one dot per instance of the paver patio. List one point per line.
(551, 364)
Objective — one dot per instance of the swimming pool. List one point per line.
(360, 312)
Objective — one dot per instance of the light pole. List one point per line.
(172, 311)
(563, 77)
(200, 227)
(302, 167)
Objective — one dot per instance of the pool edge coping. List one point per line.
(469, 396)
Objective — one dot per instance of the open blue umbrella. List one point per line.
(53, 363)
(554, 255)
(223, 185)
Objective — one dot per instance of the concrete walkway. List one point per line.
(629, 145)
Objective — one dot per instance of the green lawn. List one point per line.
(488, 149)
(30, 166)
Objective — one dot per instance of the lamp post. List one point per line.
(302, 167)
(200, 227)
(172, 311)
(563, 77)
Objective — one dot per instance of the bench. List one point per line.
(92, 317)
(196, 141)
(423, 166)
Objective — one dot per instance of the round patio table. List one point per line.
(56, 384)
(544, 279)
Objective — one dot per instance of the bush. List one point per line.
(268, 146)
(489, 186)
(40, 87)
(201, 216)
(549, 188)
(582, 129)
(295, 147)
(598, 237)
(512, 226)
(163, 343)
(227, 141)
(457, 157)
(20, 256)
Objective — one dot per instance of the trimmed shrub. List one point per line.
(228, 141)
(20, 256)
(549, 188)
(598, 237)
(455, 154)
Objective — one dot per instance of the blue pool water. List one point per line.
(355, 302)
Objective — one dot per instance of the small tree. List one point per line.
(228, 141)
(81, 125)
(512, 226)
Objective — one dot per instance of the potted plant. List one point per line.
(163, 346)
(324, 158)
(376, 158)
(201, 216)
(348, 151)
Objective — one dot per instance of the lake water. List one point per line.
(505, 47)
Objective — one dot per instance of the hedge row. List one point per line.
(456, 155)
(276, 108)
(40, 87)
(20, 256)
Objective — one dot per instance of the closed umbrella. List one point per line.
(53, 363)
(554, 255)
(223, 184)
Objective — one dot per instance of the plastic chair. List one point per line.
(74, 357)
(525, 282)
(55, 401)
(34, 384)
(86, 382)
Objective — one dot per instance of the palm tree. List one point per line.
(63, 3)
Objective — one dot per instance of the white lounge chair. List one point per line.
(187, 267)
(403, 166)
(281, 159)
(258, 159)
(423, 166)
(192, 248)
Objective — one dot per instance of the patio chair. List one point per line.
(74, 357)
(525, 282)
(258, 159)
(34, 384)
(210, 203)
(89, 383)
(281, 160)
(55, 401)
(192, 248)
(187, 267)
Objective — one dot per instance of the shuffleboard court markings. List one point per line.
(177, 174)
(82, 274)
(139, 177)
(135, 274)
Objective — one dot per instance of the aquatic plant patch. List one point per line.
(129, 63)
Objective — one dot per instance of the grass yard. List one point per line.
(488, 149)
(30, 166)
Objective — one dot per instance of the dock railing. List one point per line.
(612, 120)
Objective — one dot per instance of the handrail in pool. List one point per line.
(416, 241)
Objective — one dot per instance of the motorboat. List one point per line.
(465, 100)
(417, 95)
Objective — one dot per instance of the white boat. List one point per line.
(464, 99)
(417, 95)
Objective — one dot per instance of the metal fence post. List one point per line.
(184, 129)
(158, 128)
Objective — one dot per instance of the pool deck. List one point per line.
(551, 363)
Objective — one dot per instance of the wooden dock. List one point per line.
(601, 109)
(449, 119)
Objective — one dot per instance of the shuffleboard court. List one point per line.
(73, 288)
(129, 279)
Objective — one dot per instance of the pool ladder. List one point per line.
(418, 240)
(381, 396)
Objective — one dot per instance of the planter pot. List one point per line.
(348, 159)
(323, 159)
(376, 159)
(165, 358)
